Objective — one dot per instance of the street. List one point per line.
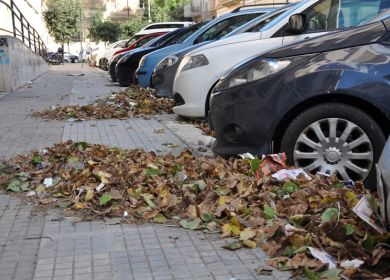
(39, 245)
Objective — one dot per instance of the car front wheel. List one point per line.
(335, 138)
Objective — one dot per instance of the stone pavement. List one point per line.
(38, 246)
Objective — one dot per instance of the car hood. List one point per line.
(158, 55)
(351, 37)
(239, 38)
(183, 52)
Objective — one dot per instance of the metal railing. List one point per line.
(22, 29)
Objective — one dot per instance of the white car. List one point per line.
(201, 69)
(105, 54)
(163, 27)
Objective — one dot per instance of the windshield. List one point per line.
(180, 38)
(327, 15)
(261, 24)
(225, 26)
(132, 40)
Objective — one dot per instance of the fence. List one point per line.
(23, 30)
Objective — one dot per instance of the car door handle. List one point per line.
(306, 38)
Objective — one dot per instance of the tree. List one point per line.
(62, 19)
(166, 10)
(134, 25)
(106, 31)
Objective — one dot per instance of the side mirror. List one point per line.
(297, 23)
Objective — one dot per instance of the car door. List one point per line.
(331, 15)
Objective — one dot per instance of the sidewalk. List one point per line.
(37, 246)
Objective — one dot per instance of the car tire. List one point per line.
(134, 76)
(112, 72)
(103, 63)
(124, 78)
(352, 153)
(75, 60)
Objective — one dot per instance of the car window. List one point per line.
(165, 25)
(260, 25)
(182, 36)
(143, 41)
(337, 14)
(132, 40)
(121, 45)
(224, 27)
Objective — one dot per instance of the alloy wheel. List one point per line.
(334, 145)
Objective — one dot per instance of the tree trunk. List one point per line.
(62, 55)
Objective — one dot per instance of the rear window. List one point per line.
(164, 25)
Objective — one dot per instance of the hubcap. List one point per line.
(334, 145)
(332, 155)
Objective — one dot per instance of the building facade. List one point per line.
(32, 11)
(208, 9)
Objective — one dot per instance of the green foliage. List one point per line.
(104, 199)
(134, 25)
(329, 215)
(269, 212)
(350, 229)
(161, 10)
(167, 10)
(106, 31)
(62, 19)
(311, 274)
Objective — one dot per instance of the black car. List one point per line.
(126, 66)
(324, 101)
(160, 41)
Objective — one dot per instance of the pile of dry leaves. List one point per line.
(306, 225)
(131, 102)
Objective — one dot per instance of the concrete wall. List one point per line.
(18, 64)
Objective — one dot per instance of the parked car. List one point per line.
(104, 55)
(124, 69)
(383, 182)
(214, 30)
(325, 102)
(160, 41)
(200, 69)
(140, 42)
(53, 58)
(164, 73)
(83, 55)
(91, 57)
(163, 27)
(70, 58)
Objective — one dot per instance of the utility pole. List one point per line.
(202, 9)
(128, 10)
(149, 16)
(81, 34)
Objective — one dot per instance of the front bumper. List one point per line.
(194, 86)
(111, 71)
(144, 76)
(244, 118)
(162, 81)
